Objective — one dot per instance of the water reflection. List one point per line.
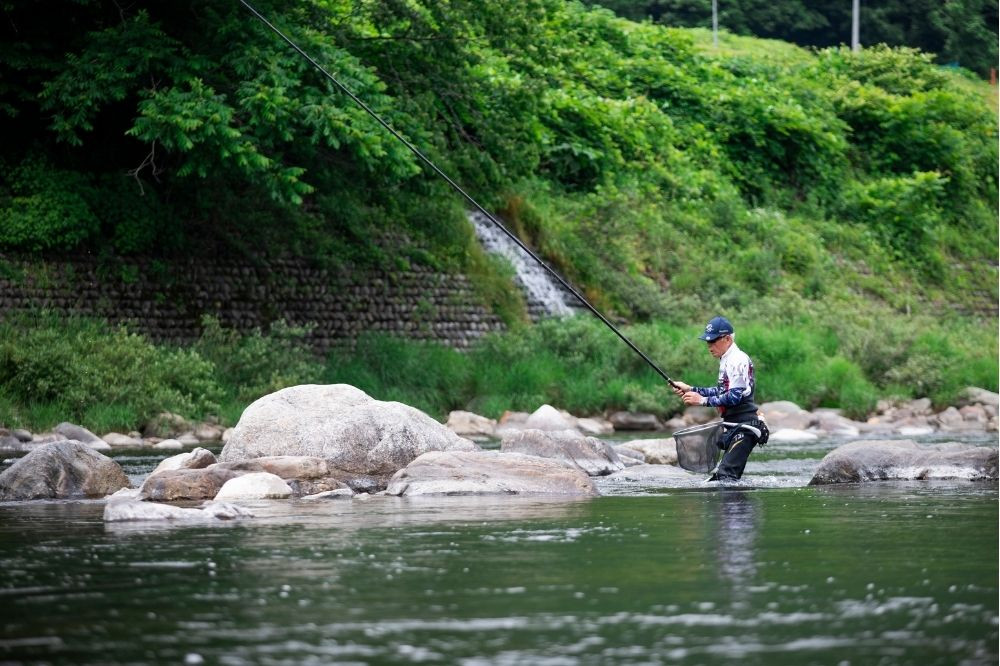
(738, 525)
(387, 512)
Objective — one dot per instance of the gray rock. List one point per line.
(594, 425)
(972, 395)
(62, 470)
(208, 432)
(549, 418)
(285, 467)
(879, 460)
(625, 451)
(116, 439)
(784, 414)
(79, 433)
(11, 444)
(22, 434)
(340, 493)
(635, 421)
(188, 439)
(166, 426)
(342, 425)
(471, 426)
(594, 457)
(186, 484)
(254, 485)
(652, 475)
(195, 459)
(488, 473)
(661, 451)
(128, 510)
(699, 415)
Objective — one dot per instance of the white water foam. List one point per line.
(538, 284)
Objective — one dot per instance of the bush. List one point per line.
(255, 364)
(80, 364)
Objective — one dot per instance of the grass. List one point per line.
(832, 357)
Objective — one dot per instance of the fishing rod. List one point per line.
(357, 100)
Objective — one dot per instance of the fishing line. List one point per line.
(357, 100)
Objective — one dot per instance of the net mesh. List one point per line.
(698, 446)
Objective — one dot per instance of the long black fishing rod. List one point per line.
(357, 100)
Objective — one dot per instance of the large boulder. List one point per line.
(660, 451)
(589, 454)
(488, 473)
(186, 484)
(61, 470)
(880, 460)
(341, 424)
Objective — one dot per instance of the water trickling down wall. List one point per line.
(543, 294)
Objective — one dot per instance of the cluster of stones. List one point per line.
(166, 431)
(788, 422)
(329, 442)
(416, 302)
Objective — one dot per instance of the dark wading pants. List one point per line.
(737, 444)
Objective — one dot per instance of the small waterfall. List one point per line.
(544, 295)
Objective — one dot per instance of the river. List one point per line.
(776, 572)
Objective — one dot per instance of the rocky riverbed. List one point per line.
(333, 442)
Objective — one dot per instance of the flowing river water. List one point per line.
(776, 572)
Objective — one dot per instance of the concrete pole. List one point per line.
(715, 23)
(856, 26)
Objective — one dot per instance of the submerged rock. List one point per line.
(488, 473)
(62, 470)
(589, 454)
(341, 424)
(881, 460)
(120, 510)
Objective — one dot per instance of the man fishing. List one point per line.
(744, 425)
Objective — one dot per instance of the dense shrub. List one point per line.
(81, 364)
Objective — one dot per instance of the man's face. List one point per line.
(719, 346)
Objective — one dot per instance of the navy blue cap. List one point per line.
(716, 328)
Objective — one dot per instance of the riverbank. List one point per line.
(976, 413)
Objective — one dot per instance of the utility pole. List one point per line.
(715, 23)
(855, 26)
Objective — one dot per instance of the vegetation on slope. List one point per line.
(798, 191)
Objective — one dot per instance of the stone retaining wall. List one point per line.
(166, 301)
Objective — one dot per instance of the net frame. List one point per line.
(698, 446)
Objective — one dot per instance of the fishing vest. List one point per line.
(736, 371)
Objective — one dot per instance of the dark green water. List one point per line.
(889, 573)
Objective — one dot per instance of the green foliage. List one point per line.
(43, 208)
(82, 364)
(255, 364)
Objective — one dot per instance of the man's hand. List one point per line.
(680, 388)
(692, 398)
